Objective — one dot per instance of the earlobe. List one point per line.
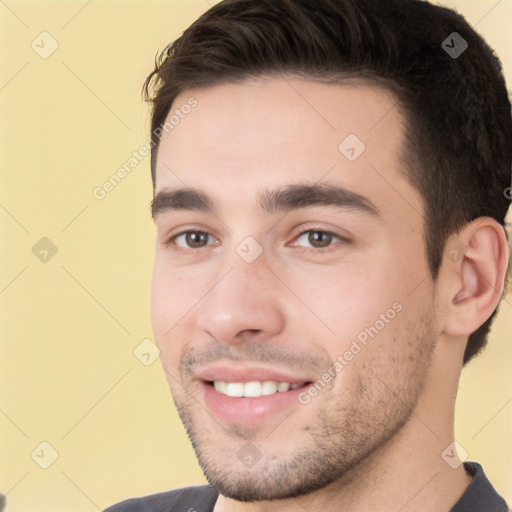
(477, 278)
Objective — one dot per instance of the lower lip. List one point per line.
(246, 410)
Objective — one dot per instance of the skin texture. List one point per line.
(372, 438)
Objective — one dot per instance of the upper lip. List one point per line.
(238, 372)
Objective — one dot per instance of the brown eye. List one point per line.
(192, 239)
(316, 241)
(319, 239)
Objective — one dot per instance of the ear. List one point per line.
(476, 261)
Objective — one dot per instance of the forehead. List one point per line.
(245, 138)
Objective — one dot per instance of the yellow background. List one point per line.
(68, 327)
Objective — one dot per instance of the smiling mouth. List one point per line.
(254, 389)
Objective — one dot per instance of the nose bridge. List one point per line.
(243, 298)
(244, 268)
(242, 284)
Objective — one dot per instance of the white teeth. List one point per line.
(220, 386)
(283, 386)
(269, 387)
(234, 389)
(254, 389)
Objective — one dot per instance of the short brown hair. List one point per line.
(457, 111)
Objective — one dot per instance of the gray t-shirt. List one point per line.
(479, 496)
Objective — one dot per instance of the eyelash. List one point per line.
(318, 250)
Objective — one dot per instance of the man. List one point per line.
(330, 188)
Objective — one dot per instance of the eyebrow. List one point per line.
(292, 197)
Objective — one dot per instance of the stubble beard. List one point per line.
(344, 433)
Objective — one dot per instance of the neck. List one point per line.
(408, 473)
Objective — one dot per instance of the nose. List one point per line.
(243, 304)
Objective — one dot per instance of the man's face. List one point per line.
(306, 269)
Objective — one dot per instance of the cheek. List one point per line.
(365, 307)
(159, 301)
(386, 359)
(166, 307)
(174, 291)
(347, 299)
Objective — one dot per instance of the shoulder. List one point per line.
(200, 498)
(480, 496)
